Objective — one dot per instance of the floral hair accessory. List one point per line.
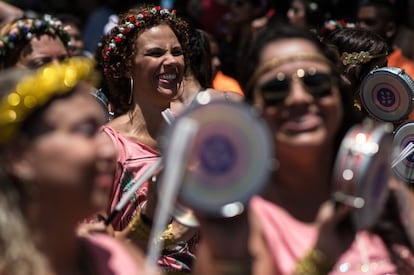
(356, 58)
(142, 18)
(36, 89)
(25, 29)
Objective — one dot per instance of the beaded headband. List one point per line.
(273, 63)
(355, 58)
(25, 29)
(124, 28)
(36, 89)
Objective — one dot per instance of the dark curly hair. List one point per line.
(118, 49)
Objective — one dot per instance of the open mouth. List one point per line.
(168, 78)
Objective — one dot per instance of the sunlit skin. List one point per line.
(301, 119)
(42, 50)
(159, 65)
(296, 14)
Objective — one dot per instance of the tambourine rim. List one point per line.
(379, 136)
(261, 160)
(397, 74)
(397, 143)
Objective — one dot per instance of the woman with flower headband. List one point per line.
(292, 80)
(32, 42)
(144, 64)
(55, 171)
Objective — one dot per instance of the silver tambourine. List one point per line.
(403, 139)
(387, 94)
(362, 170)
(229, 160)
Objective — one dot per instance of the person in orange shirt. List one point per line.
(380, 18)
(221, 81)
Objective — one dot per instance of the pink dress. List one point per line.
(289, 240)
(133, 160)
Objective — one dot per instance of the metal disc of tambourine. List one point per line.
(362, 170)
(229, 161)
(404, 136)
(387, 94)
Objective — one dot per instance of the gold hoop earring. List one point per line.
(131, 81)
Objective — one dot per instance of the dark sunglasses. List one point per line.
(316, 83)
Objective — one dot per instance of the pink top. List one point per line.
(289, 240)
(110, 257)
(133, 160)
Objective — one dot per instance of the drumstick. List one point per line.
(401, 155)
(408, 150)
(131, 192)
(168, 116)
(175, 161)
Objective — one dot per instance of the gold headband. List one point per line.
(273, 63)
(355, 58)
(36, 89)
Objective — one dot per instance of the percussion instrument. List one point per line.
(387, 94)
(362, 170)
(229, 161)
(403, 139)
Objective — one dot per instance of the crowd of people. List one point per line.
(84, 138)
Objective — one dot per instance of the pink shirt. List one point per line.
(289, 240)
(133, 160)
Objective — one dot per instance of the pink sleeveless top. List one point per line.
(133, 160)
(289, 240)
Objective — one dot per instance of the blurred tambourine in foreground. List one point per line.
(387, 94)
(229, 160)
(362, 171)
(403, 164)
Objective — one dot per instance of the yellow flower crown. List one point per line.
(35, 90)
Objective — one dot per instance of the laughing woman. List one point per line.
(144, 62)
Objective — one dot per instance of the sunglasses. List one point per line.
(316, 83)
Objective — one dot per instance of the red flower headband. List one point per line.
(139, 19)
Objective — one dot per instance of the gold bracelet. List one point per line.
(314, 263)
(140, 228)
(143, 231)
(232, 267)
(167, 237)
